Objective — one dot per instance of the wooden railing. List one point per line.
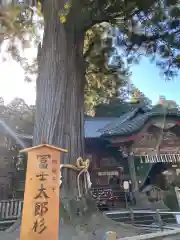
(10, 209)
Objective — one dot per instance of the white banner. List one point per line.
(162, 158)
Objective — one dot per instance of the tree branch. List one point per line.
(95, 21)
(99, 19)
(104, 17)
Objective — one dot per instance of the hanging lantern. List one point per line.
(20, 162)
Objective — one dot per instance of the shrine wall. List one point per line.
(104, 163)
(156, 145)
(156, 141)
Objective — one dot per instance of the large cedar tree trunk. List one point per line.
(60, 98)
(60, 119)
(60, 87)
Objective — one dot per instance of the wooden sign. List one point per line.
(40, 218)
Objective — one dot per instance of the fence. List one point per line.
(152, 224)
(10, 209)
(169, 234)
(146, 219)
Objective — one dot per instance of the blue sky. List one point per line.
(146, 76)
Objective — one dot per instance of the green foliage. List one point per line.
(18, 31)
(170, 200)
(16, 20)
(102, 82)
(156, 35)
(150, 28)
(64, 12)
(18, 115)
(114, 108)
(117, 106)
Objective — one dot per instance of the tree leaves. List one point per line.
(174, 12)
(64, 12)
(103, 80)
(18, 115)
(171, 2)
(116, 106)
(148, 28)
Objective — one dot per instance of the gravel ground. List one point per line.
(94, 230)
(172, 238)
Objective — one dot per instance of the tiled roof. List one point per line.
(92, 126)
(125, 125)
(116, 122)
(134, 122)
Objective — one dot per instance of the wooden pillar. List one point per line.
(98, 159)
(40, 217)
(132, 170)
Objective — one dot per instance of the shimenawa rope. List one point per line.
(82, 166)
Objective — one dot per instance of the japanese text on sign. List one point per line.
(43, 161)
(41, 205)
(39, 226)
(41, 192)
(54, 171)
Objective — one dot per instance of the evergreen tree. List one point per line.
(61, 80)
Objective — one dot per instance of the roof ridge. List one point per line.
(125, 117)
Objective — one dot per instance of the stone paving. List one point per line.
(14, 232)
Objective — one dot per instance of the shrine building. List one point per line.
(140, 147)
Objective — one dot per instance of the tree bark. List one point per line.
(60, 117)
(60, 98)
(60, 85)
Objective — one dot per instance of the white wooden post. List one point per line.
(111, 235)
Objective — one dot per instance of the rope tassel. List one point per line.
(82, 167)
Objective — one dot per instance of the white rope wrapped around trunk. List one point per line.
(82, 167)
